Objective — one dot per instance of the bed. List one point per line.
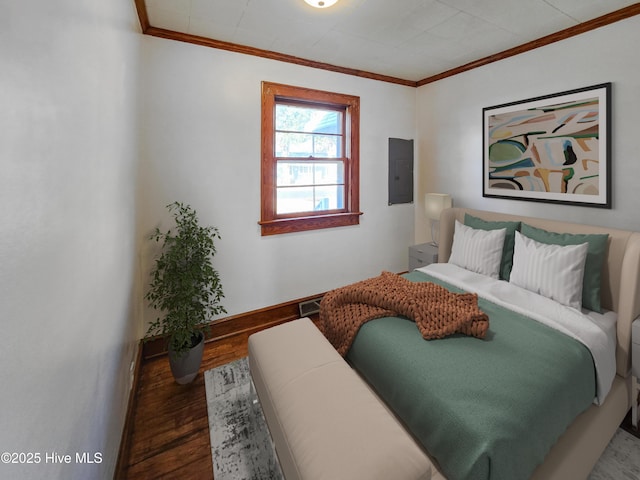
(476, 405)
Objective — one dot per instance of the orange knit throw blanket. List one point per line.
(436, 311)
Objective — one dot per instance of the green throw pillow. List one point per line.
(595, 259)
(509, 240)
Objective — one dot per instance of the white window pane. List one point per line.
(326, 146)
(309, 173)
(329, 197)
(328, 173)
(307, 119)
(295, 199)
(294, 173)
(294, 145)
(325, 121)
(304, 145)
(309, 199)
(292, 118)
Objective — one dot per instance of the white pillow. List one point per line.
(553, 271)
(477, 250)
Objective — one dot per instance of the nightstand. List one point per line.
(635, 370)
(422, 255)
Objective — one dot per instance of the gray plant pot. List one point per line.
(185, 368)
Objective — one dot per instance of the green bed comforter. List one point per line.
(484, 409)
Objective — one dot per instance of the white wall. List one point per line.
(450, 122)
(68, 151)
(201, 145)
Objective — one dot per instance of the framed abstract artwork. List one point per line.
(555, 148)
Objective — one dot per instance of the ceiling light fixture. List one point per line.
(321, 3)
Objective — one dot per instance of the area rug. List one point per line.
(621, 459)
(241, 447)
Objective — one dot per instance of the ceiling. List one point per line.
(412, 40)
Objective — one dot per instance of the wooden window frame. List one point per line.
(273, 223)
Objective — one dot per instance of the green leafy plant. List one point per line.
(184, 285)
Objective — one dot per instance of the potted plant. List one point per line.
(185, 288)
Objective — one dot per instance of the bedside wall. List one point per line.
(450, 122)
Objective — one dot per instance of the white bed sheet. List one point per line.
(596, 331)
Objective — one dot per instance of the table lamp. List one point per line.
(434, 204)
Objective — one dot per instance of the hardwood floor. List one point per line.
(167, 432)
(169, 436)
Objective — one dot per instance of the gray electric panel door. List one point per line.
(400, 171)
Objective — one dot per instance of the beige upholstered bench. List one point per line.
(324, 420)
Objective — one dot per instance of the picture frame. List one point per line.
(553, 148)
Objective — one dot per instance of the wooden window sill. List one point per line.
(301, 224)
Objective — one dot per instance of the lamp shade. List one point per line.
(435, 203)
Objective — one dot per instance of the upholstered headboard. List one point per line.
(620, 289)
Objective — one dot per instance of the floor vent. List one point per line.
(309, 307)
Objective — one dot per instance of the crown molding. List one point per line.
(618, 15)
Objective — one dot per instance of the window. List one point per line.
(310, 168)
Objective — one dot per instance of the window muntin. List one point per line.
(309, 159)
